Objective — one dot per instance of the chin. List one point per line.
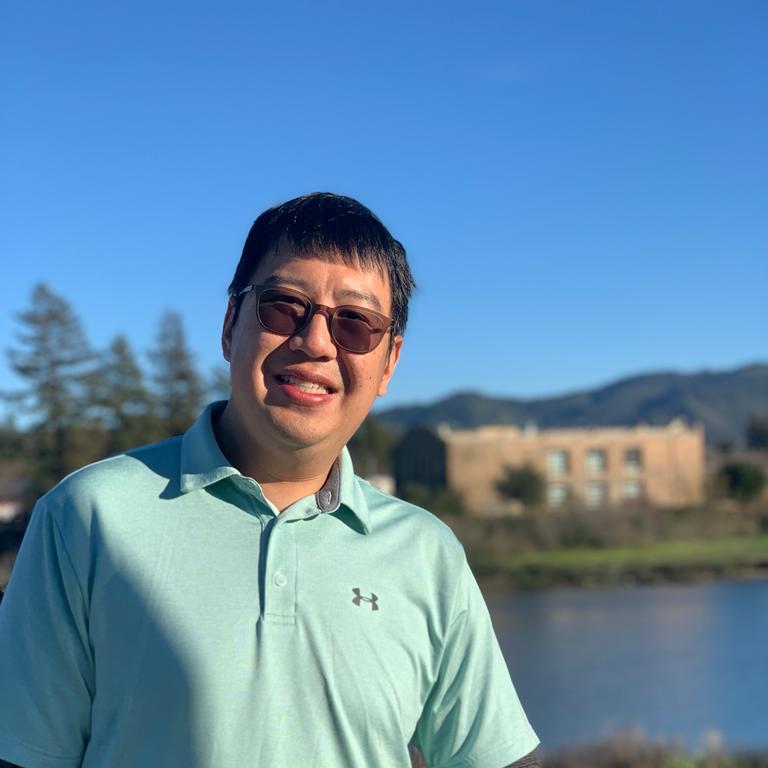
(297, 433)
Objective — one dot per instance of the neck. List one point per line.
(284, 477)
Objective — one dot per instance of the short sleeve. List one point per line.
(46, 665)
(473, 716)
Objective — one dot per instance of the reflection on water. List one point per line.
(680, 662)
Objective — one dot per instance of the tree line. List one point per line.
(79, 404)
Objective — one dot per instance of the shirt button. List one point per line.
(280, 580)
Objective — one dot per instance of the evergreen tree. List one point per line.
(12, 440)
(125, 403)
(219, 384)
(179, 388)
(56, 361)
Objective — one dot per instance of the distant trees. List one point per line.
(84, 404)
(523, 484)
(371, 447)
(219, 386)
(757, 432)
(127, 407)
(742, 480)
(442, 502)
(12, 441)
(54, 358)
(179, 389)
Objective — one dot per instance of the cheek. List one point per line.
(366, 375)
(249, 350)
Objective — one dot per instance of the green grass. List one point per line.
(672, 560)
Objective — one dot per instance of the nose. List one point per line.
(315, 338)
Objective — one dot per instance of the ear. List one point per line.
(226, 331)
(393, 356)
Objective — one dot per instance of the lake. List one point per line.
(680, 662)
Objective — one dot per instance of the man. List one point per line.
(236, 596)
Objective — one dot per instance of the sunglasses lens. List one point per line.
(356, 331)
(283, 313)
(353, 328)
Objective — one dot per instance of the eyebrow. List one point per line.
(297, 282)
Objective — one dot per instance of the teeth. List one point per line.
(305, 386)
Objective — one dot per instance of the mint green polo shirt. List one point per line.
(161, 613)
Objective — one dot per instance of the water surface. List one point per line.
(680, 662)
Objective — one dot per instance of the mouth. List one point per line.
(310, 387)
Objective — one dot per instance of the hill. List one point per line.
(721, 400)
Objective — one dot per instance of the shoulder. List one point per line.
(146, 467)
(110, 501)
(416, 525)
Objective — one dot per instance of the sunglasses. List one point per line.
(286, 312)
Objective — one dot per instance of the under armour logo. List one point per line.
(373, 599)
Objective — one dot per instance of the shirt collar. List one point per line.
(203, 463)
(351, 494)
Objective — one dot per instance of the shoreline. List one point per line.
(541, 582)
(671, 562)
(634, 750)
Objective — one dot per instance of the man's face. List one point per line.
(303, 391)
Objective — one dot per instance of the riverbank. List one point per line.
(632, 753)
(668, 561)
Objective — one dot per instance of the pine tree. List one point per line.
(12, 440)
(179, 388)
(56, 361)
(125, 403)
(219, 383)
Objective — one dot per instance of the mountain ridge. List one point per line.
(721, 400)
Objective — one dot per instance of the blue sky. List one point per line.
(591, 175)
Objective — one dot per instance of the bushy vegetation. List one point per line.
(537, 529)
(523, 484)
(371, 448)
(741, 480)
(447, 503)
(636, 751)
(661, 562)
(544, 548)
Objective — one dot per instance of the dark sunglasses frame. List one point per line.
(379, 327)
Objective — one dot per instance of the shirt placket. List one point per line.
(281, 574)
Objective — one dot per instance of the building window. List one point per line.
(596, 462)
(633, 460)
(557, 462)
(595, 495)
(632, 490)
(557, 495)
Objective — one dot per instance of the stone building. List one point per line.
(586, 467)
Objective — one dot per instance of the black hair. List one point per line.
(329, 226)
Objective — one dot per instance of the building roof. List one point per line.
(504, 432)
